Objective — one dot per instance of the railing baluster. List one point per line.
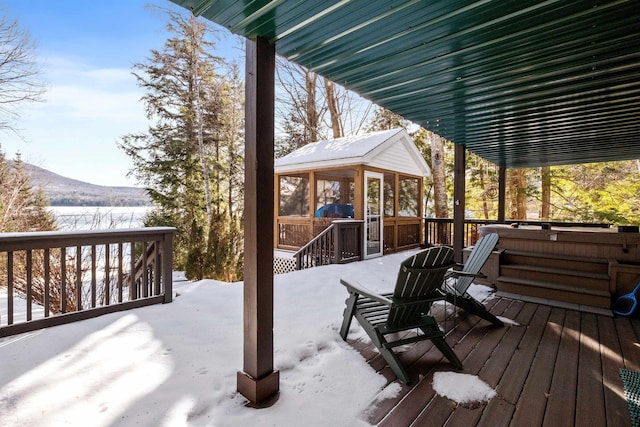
(63, 279)
(145, 277)
(93, 275)
(29, 284)
(133, 294)
(10, 288)
(47, 281)
(107, 275)
(120, 274)
(78, 278)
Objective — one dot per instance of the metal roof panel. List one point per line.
(522, 83)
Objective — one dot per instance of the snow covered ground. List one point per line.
(176, 364)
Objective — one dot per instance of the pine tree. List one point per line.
(188, 160)
(22, 208)
(384, 119)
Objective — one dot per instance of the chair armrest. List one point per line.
(436, 295)
(359, 289)
(459, 273)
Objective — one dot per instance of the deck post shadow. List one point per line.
(258, 382)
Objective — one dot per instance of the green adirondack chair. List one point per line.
(457, 282)
(418, 284)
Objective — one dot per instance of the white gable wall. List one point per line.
(391, 150)
(398, 159)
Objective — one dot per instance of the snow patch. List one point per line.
(462, 388)
(481, 292)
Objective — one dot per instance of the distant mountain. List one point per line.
(62, 191)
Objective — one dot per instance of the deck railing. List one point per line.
(52, 278)
(440, 230)
(340, 243)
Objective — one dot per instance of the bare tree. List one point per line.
(311, 108)
(299, 102)
(332, 104)
(19, 72)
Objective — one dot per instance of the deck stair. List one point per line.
(574, 280)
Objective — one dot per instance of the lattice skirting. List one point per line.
(631, 382)
(283, 265)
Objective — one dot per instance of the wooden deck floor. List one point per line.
(556, 367)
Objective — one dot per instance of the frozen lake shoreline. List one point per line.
(99, 217)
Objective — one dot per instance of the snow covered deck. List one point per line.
(176, 364)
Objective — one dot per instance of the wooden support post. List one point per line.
(459, 169)
(167, 264)
(259, 382)
(502, 190)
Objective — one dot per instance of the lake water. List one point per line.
(99, 217)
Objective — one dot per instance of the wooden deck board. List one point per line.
(562, 394)
(611, 358)
(536, 387)
(589, 394)
(628, 343)
(546, 369)
(515, 376)
(493, 370)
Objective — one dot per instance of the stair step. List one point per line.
(558, 271)
(571, 278)
(595, 265)
(555, 291)
(556, 256)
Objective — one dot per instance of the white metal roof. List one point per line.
(392, 150)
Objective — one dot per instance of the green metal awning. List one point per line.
(521, 83)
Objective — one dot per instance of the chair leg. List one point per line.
(394, 363)
(374, 334)
(472, 306)
(349, 311)
(437, 337)
(389, 356)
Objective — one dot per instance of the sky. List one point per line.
(87, 49)
(151, 366)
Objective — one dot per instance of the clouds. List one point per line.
(87, 51)
(85, 112)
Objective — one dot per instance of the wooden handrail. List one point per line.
(339, 243)
(76, 275)
(440, 230)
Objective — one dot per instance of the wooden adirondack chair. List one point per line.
(417, 286)
(457, 282)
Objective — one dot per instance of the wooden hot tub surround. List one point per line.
(588, 267)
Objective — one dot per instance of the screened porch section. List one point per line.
(360, 179)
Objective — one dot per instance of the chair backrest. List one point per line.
(477, 259)
(419, 276)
